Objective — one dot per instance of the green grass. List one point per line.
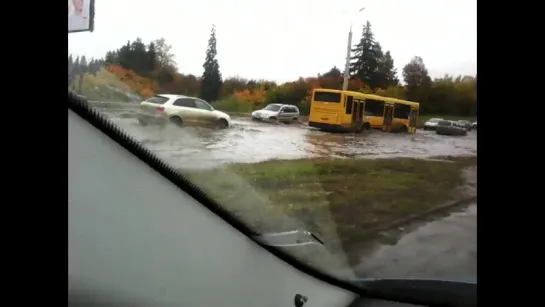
(232, 105)
(238, 114)
(346, 198)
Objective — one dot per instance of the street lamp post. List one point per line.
(348, 53)
(347, 64)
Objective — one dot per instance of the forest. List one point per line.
(138, 70)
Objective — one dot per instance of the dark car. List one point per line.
(466, 124)
(447, 127)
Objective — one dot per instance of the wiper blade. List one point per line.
(289, 238)
(426, 292)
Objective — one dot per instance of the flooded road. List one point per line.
(443, 249)
(247, 141)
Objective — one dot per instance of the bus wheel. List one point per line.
(366, 126)
(403, 129)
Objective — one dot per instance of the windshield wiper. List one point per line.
(289, 238)
(419, 291)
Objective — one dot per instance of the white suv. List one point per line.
(181, 110)
(277, 112)
(431, 123)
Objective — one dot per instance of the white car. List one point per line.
(181, 110)
(277, 112)
(431, 124)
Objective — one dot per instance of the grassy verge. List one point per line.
(237, 114)
(346, 198)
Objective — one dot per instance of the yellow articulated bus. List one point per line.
(336, 110)
(391, 114)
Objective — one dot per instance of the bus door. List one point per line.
(413, 116)
(357, 115)
(351, 109)
(388, 117)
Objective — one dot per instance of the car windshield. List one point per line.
(388, 198)
(272, 107)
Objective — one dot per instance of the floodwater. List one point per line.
(246, 141)
(442, 249)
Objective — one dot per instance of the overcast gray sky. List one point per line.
(283, 39)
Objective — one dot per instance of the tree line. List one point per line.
(151, 68)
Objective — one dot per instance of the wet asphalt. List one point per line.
(247, 141)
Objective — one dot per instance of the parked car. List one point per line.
(474, 125)
(448, 127)
(277, 112)
(181, 110)
(466, 124)
(431, 123)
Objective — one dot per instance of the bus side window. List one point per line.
(349, 101)
(402, 111)
(374, 107)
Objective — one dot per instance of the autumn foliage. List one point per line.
(137, 70)
(143, 86)
(256, 95)
(447, 95)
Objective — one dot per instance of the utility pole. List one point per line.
(347, 64)
(348, 53)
